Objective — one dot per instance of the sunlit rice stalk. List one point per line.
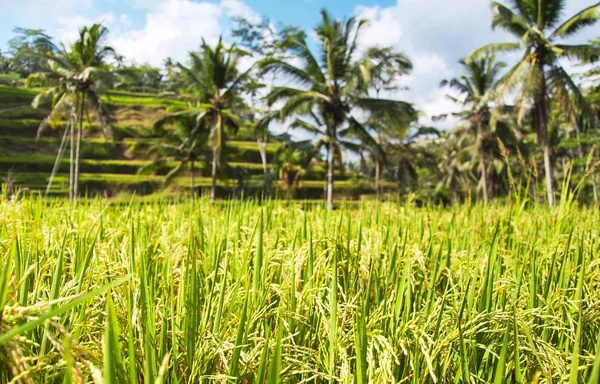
(289, 292)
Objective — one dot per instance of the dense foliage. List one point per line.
(287, 293)
(512, 121)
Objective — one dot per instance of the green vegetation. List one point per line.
(222, 106)
(372, 293)
(468, 265)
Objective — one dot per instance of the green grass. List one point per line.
(287, 292)
(19, 162)
(114, 99)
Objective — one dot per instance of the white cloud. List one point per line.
(436, 34)
(174, 27)
(171, 29)
(68, 30)
(236, 8)
(125, 20)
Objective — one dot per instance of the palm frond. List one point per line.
(585, 18)
(583, 52)
(493, 48)
(508, 20)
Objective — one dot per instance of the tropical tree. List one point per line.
(476, 87)
(214, 78)
(382, 67)
(330, 83)
(77, 73)
(540, 74)
(29, 51)
(289, 163)
(455, 162)
(181, 146)
(411, 152)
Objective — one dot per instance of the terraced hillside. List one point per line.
(111, 168)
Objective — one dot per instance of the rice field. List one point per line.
(286, 292)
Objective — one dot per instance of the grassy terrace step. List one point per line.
(19, 162)
(98, 148)
(39, 180)
(28, 128)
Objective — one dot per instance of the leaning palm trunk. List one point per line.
(378, 161)
(483, 175)
(594, 186)
(262, 149)
(330, 180)
(71, 161)
(59, 157)
(548, 172)
(580, 154)
(377, 173)
(78, 150)
(483, 166)
(214, 177)
(541, 109)
(192, 180)
(326, 175)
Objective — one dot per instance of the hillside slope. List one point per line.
(111, 168)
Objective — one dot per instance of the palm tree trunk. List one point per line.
(262, 149)
(541, 109)
(326, 175)
(213, 187)
(580, 154)
(58, 158)
(377, 160)
(330, 180)
(483, 176)
(192, 180)
(78, 150)
(71, 161)
(594, 187)
(549, 173)
(377, 171)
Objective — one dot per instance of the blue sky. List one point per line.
(434, 33)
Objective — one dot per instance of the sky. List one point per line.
(435, 34)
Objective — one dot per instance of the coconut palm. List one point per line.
(77, 73)
(215, 80)
(330, 83)
(475, 87)
(181, 146)
(411, 152)
(537, 28)
(289, 162)
(382, 67)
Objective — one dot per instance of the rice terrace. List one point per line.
(227, 191)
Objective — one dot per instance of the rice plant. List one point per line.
(284, 292)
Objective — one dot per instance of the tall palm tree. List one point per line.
(382, 67)
(537, 28)
(476, 86)
(330, 82)
(182, 146)
(411, 152)
(78, 72)
(216, 81)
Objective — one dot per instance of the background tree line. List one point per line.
(522, 127)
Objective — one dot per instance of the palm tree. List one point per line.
(289, 162)
(382, 67)
(476, 86)
(536, 26)
(456, 164)
(214, 78)
(330, 83)
(183, 146)
(411, 152)
(78, 73)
